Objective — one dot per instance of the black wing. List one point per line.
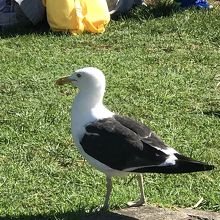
(122, 143)
(143, 131)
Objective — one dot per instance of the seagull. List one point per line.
(118, 145)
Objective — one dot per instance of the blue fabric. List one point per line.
(191, 3)
(202, 4)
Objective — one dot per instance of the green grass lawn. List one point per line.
(160, 70)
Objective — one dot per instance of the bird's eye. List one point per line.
(78, 75)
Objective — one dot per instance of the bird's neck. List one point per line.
(87, 108)
(88, 100)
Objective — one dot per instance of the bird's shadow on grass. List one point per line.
(78, 215)
(212, 113)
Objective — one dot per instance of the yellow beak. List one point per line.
(63, 80)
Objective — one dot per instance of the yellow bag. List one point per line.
(76, 16)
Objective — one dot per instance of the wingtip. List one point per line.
(209, 167)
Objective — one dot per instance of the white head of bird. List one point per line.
(91, 84)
